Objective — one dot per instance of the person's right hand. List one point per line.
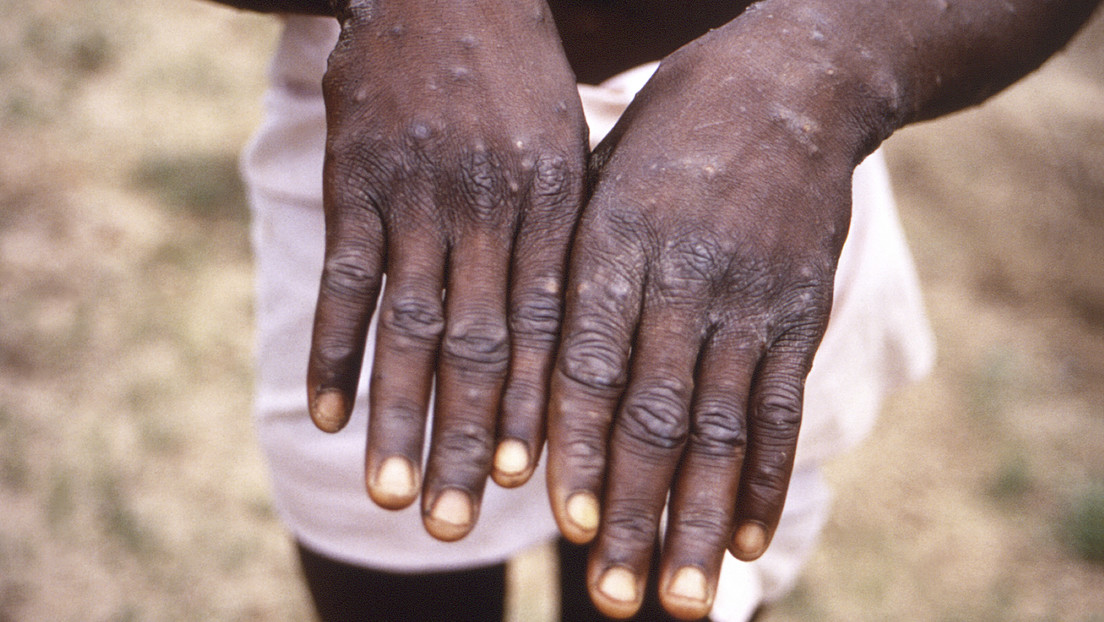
(454, 164)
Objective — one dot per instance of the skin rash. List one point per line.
(653, 307)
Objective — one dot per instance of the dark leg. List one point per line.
(347, 593)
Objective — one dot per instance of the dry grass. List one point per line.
(130, 485)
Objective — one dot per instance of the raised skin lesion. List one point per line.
(605, 37)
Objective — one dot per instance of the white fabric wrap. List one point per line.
(877, 339)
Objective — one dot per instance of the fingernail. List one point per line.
(511, 457)
(582, 509)
(618, 584)
(328, 410)
(751, 539)
(396, 480)
(453, 507)
(689, 583)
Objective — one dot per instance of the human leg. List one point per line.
(347, 593)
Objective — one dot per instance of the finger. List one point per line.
(602, 306)
(536, 308)
(648, 438)
(410, 325)
(350, 284)
(700, 515)
(474, 357)
(774, 419)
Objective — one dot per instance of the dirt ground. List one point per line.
(130, 484)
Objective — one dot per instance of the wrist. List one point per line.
(804, 71)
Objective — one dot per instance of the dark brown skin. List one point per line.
(700, 271)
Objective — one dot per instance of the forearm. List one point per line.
(877, 65)
(939, 56)
(302, 7)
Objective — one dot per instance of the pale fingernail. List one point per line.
(511, 457)
(751, 539)
(582, 509)
(452, 507)
(689, 583)
(618, 584)
(396, 479)
(328, 410)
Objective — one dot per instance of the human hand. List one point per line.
(454, 163)
(700, 285)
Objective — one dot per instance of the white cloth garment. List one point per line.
(877, 339)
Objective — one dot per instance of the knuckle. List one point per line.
(718, 427)
(585, 449)
(592, 360)
(535, 315)
(346, 275)
(630, 521)
(553, 180)
(414, 317)
(656, 414)
(465, 439)
(470, 443)
(690, 264)
(338, 354)
(705, 523)
(778, 412)
(523, 396)
(482, 184)
(765, 487)
(477, 342)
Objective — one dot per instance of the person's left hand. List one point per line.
(700, 285)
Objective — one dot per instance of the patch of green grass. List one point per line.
(205, 186)
(1083, 527)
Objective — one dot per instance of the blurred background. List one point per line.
(130, 484)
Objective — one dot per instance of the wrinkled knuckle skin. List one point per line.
(477, 344)
(718, 428)
(764, 488)
(414, 318)
(535, 317)
(360, 172)
(691, 266)
(557, 184)
(629, 523)
(779, 409)
(584, 449)
(346, 277)
(590, 360)
(462, 451)
(655, 415)
(704, 524)
(483, 186)
(522, 396)
(337, 360)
